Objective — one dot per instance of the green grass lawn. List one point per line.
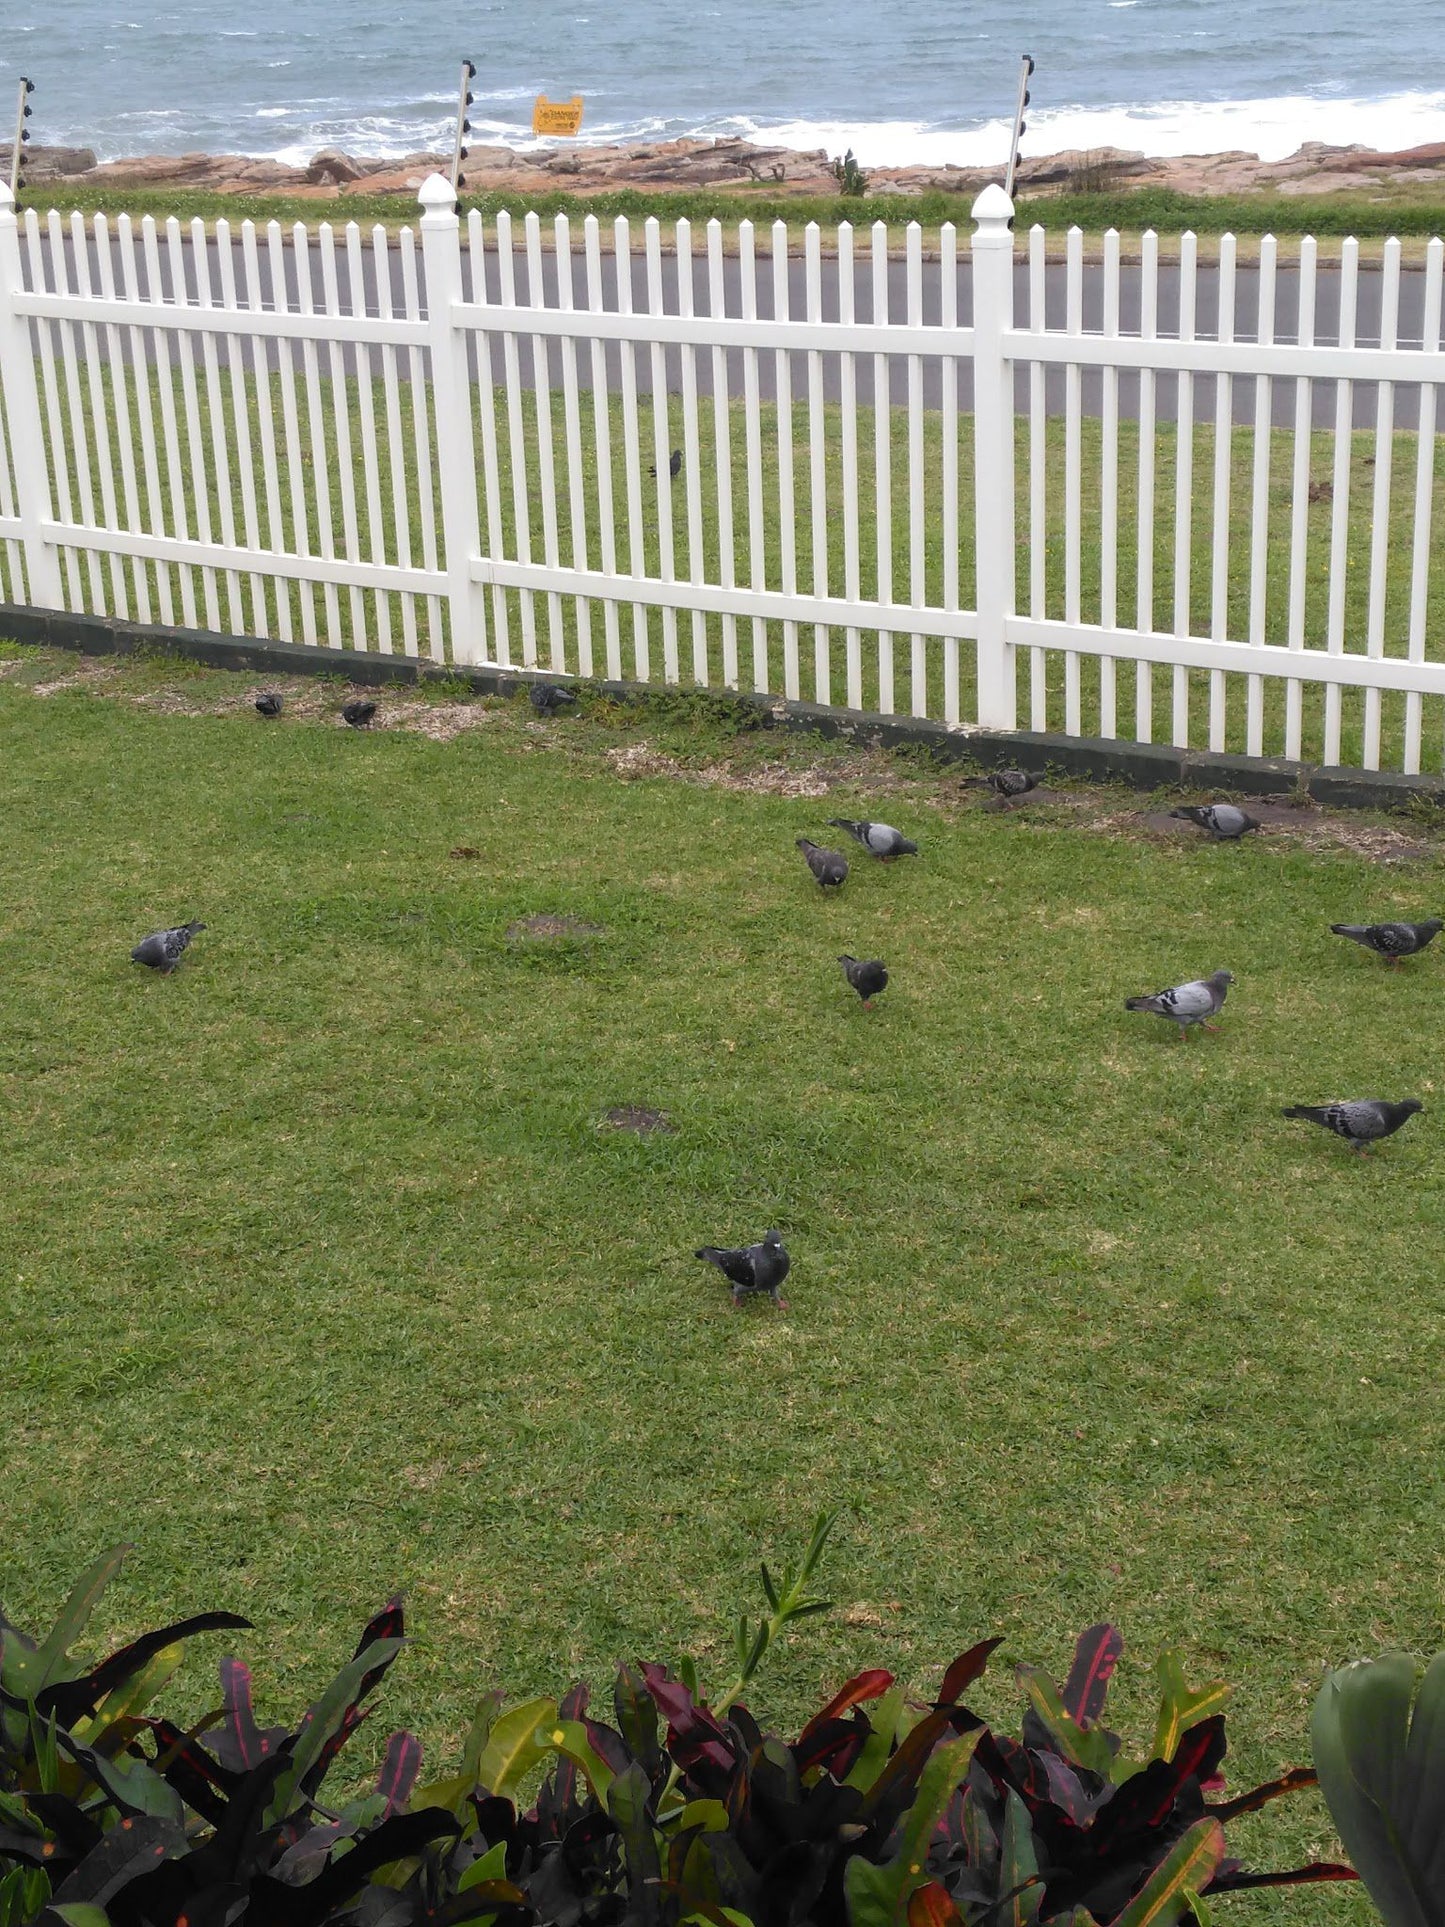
(320, 1279)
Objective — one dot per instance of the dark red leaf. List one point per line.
(695, 1737)
(1312, 1875)
(1095, 1656)
(863, 1686)
(398, 1771)
(71, 1699)
(1260, 1796)
(964, 1671)
(246, 1738)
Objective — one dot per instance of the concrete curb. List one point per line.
(1142, 766)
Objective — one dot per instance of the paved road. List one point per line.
(1327, 303)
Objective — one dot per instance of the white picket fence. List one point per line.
(356, 441)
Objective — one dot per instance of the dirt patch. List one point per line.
(92, 671)
(440, 721)
(637, 760)
(464, 853)
(638, 1119)
(546, 929)
(1295, 824)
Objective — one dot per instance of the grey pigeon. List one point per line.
(830, 867)
(162, 949)
(1224, 822)
(1391, 940)
(753, 1270)
(674, 465)
(547, 698)
(1188, 1004)
(879, 839)
(868, 977)
(1008, 783)
(1359, 1120)
(357, 712)
(268, 705)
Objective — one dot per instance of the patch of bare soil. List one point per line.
(637, 1118)
(1295, 824)
(547, 929)
(89, 673)
(635, 760)
(440, 721)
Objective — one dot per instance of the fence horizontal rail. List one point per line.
(178, 317)
(1207, 355)
(720, 331)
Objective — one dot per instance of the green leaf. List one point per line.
(1189, 1865)
(1087, 1748)
(74, 1617)
(491, 1866)
(711, 1816)
(878, 1895)
(326, 1717)
(133, 1695)
(570, 1739)
(517, 1742)
(1179, 1706)
(884, 1720)
(770, 1591)
(1382, 1773)
(1018, 1867)
(627, 1802)
(80, 1913)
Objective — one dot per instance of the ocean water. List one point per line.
(910, 81)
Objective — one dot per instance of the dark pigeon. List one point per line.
(1009, 783)
(357, 712)
(269, 705)
(674, 465)
(868, 977)
(162, 949)
(754, 1270)
(1224, 822)
(1360, 1121)
(547, 698)
(830, 867)
(1188, 1004)
(1391, 940)
(879, 839)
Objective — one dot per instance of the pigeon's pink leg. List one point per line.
(782, 1304)
(1213, 1027)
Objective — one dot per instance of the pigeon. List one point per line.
(868, 977)
(1008, 783)
(674, 466)
(830, 867)
(268, 705)
(879, 839)
(1224, 822)
(754, 1269)
(162, 949)
(1188, 1004)
(546, 698)
(1359, 1120)
(1391, 940)
(357, 712)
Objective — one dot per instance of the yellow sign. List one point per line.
(557, 116)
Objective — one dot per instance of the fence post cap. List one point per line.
(438, 198)
(993, 209)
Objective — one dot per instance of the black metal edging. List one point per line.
(1142, 766)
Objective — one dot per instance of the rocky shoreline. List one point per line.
(682, 166)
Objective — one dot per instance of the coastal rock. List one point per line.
(54, 163)
(681, 165)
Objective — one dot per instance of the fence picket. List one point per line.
(1184, 489)
(1038, 481)
(1223, 475)
(1259, 500)
(852, 538)
(1424, 503)
(661, 447)
(1109, 492)
(787, 496)
(602, 426)
(691, 453)
(572, 434)
(1380, 507)
(1340, 497)
(1144, 525)
(1300, 503)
